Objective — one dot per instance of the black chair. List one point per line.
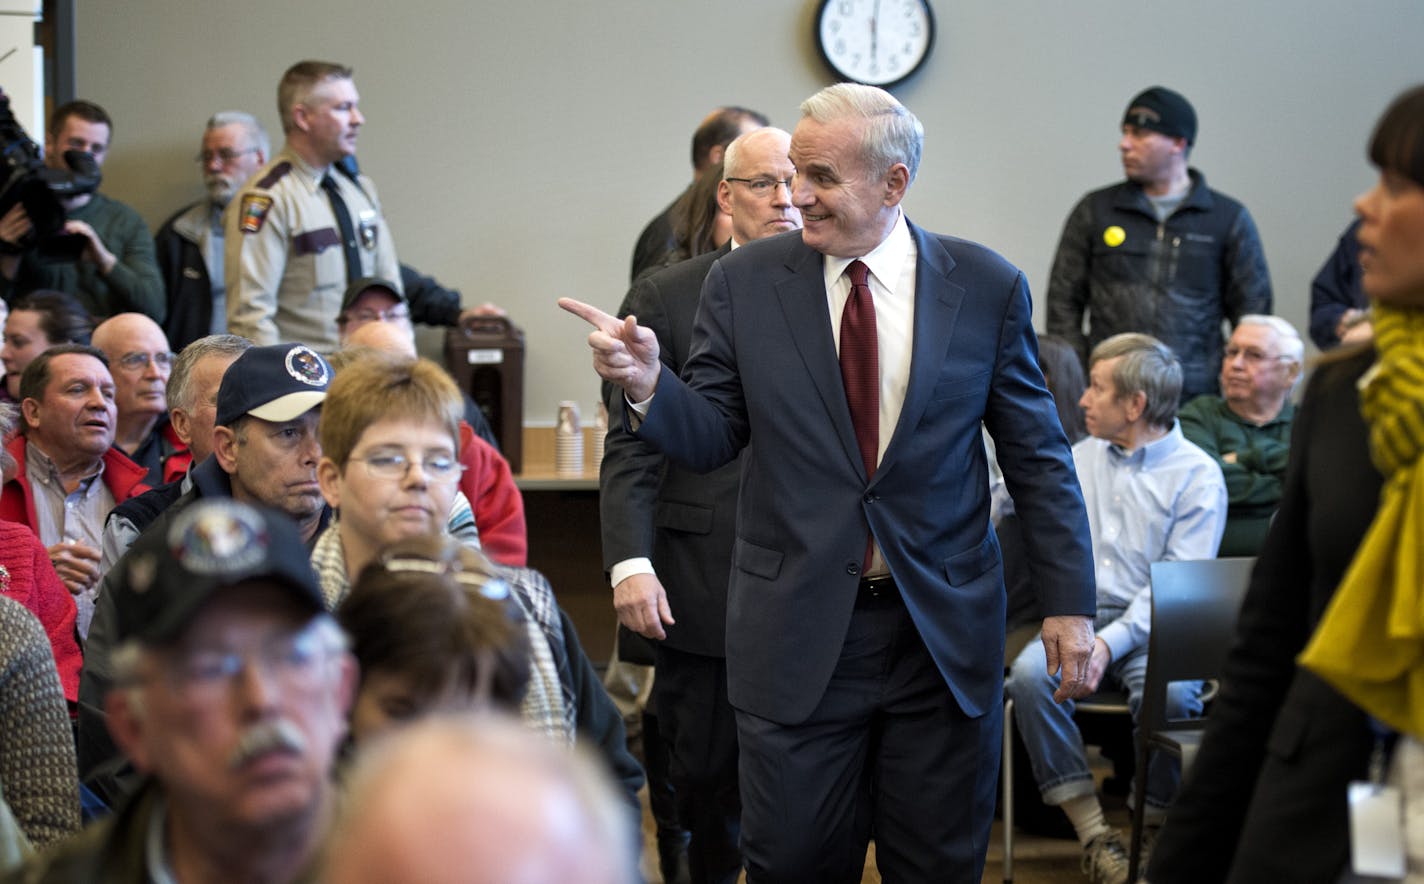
(1194, 610)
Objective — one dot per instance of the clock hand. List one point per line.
(874, 31)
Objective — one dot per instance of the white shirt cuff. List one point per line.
(628, 567)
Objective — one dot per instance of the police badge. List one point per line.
(369, 225)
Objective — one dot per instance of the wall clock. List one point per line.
(876, 42)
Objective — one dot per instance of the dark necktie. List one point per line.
(343, 222)
(860, 372)
(860, 364)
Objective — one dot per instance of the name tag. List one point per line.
(1376, 830)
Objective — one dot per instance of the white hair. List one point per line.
(255, 132)
(1292, 347)
(894, 135)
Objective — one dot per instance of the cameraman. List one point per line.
(109, 264)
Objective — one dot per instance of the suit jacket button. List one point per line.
(853, 569)
(869, 498)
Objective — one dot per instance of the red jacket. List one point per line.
(176, 465)
(17, 504)
(498, 506)
(29, 578)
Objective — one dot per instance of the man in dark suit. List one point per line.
(865, 623)
(668, 532)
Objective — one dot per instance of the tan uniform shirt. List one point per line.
(284, 264)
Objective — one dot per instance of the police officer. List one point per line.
(303, 227)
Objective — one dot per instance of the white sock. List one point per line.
(1086, 814)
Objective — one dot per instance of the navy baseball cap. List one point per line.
(168, 576)
(276, 383)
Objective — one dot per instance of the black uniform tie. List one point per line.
(348, 232)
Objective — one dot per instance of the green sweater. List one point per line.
(1252, 460)
(134, 285)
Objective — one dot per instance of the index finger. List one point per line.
(592, 315)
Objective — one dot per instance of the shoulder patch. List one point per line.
(254, 212)
(275, 174)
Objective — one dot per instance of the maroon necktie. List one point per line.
(860, 364)
(860, 372)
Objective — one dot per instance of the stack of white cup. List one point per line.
(568, 441)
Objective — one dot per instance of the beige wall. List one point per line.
(520, 147)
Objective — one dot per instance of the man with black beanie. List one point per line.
(1160, 253)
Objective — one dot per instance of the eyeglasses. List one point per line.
(296, 660)
(1250, 354)
(365, 315)
(763, 187)
(136, 361)
(440, 468)
(223, 154)
(488, 585)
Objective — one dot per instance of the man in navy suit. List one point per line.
(865, 627)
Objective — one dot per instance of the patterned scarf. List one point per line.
(1370, 644)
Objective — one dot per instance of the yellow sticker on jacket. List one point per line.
(1113, 236)
(254, 212)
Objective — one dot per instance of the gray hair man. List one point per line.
(231, 695)
(189, 245)
(1151, 496)
(1247, 429)
(855, 364)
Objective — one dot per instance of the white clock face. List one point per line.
(875, 41)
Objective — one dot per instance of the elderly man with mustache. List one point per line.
(231, 693)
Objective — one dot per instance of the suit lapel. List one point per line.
(937, 303)
(802, 296)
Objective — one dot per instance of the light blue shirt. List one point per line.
(1164, 501)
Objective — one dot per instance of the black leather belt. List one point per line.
(878, 588)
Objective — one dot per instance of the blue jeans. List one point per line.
(1055, 746)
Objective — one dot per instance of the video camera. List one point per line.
(24, 178)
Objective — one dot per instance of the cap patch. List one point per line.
(304, 365)
(218, 539)
(254, 212)
(1143, 117)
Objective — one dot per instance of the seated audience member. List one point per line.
(231, 695)
(433, 628)
(1339, 310)
(69, 475)
(39, 320)
(140, 362)
(112, 268)
(373, 301)
(389, 433)
(265, 454)
(192, 412)
(27, 577)
(37, 774)
(487, 481)
(1151, 496)
(472, 799)
(1247, 429)
(189, 245)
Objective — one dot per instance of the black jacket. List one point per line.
(1175, 280)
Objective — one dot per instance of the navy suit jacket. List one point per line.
(764, 373)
